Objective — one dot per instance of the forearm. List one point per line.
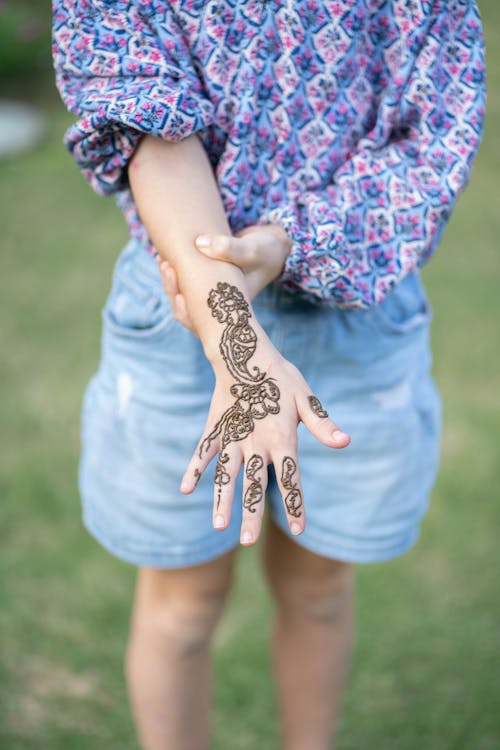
(177, 198)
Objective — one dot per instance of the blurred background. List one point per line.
(426, 672)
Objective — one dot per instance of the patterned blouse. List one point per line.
(353, 124)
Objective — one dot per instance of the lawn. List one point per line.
(426, 672)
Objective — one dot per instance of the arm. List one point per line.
(259, 397)
(384, 212)
(177, 197)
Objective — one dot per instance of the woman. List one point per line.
(293, 165)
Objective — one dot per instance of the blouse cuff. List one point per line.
(296, 275)
(103, 142)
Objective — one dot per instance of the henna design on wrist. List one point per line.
(293, 499)
(255, 491)
(221, 475)
(316, 407)
(256, 395)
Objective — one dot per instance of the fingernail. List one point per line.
(295, 528)
(246, 537)
(184, 485)
(203, 240)
(219, 521)
(338, 435)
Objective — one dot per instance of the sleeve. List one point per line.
(123, 68)
(383, 214)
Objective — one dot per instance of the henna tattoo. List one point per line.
(316, 407)
(239, 340)
(293, 499)
(237, 422)
(255, 491)
(255, 395)
(197, 475)
(221, 475)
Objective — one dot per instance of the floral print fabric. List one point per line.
(351, 123)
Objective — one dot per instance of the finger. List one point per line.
(175, 298)
(237, 250)
(164, 267)
(170, 280)
(162, 263)
(168, 277)
(254, 492)
(316, 419)
(181, 312)
(205, 451)
(288, 476)
(167, 285)
(226, 472)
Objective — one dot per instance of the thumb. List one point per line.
(319, 424)
(224, 247)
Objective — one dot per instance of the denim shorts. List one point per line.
(145, 408)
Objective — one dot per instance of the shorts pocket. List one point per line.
(137, 306)
(405, 309)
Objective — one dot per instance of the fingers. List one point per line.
(237, 250)
(226, 472)
(317, 421)
(205, 451)
(288, 476)
(175, 296)
(168, 278)
(254, 492)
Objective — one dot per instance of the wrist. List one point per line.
(265, 353)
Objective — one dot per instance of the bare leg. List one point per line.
(168, 657)
(312, 640)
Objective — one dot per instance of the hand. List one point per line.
(175, 297)
(253, 419)
(260, 252)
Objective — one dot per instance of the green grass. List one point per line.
(426, 672)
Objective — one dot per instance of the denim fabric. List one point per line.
(145, 408)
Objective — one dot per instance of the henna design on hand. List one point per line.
(197, 475)
(293, 499)
(256, 395)
(316, 407)
(255, 492)
(221, 475)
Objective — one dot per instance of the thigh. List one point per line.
(372, 371)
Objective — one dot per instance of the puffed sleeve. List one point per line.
(384, 212)
(123, 68)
